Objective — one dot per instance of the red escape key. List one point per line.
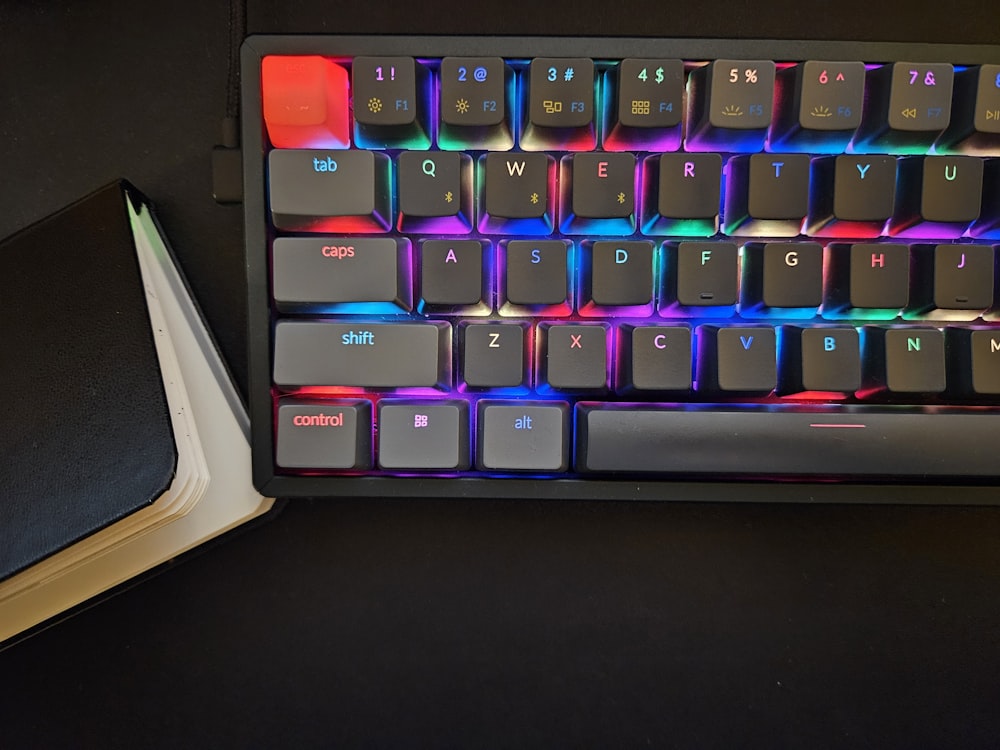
(305, 102)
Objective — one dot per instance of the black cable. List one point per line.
(227, 166)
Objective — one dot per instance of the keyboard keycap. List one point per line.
(943, 191)
(656, 358)
(701, 278)
(621, 276)
(388, 111)
(953, 281)
(732, 106)
(767, 194)
(786, 275)
(649, 105)
(473, 91)
(313, 434)
(908, 105)
(826, 360)
(561, 96)
(573, 357)
(867, 280)
(341, 274)
(536, 275)
(975, 118)
(974, 361)
(423, 436)
(602, 193)
(435, 192)
(863, 443)
(516, 199)
(851, 195)
(688, 194)
(329, 191)
(523, 436)
(372, 355)
(737, 360)
(305, 102)
(903, 360)
(452, 277)
(493, 355)
(820, 106)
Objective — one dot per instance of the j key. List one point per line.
(819, 360)
(903, 360)
(305, 101)
(423, 436)
(341, 274)
(317, 434)
(908, 104)
(338, 191)
(492, 355)
(472, 91)
(706, 277)
(603, 187)
(517, 187)
(561, 92)
(794, 442)
(867, 280)
(523, 436)
(785, 275)
(574, 357)
(451, 274)
(656, 358)
(852, 193)
(375, 355)
(953, 278)
(736, 360)
(732, 105)
(975, 118)
(536, 273)
(942, 191)
(621, 276)
(688, 193)
(973, 361)
(435, 184)
(767, 194)
(823, 109)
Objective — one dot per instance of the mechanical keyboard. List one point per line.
(611, 268)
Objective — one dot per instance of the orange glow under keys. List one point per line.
(305, 102)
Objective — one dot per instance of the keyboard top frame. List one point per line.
(272, 484)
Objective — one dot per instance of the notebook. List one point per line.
(125, 442)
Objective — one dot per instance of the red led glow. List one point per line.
(305, 101)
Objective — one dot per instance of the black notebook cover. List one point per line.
(86, 436)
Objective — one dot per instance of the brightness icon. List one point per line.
(821, 112)
(461, 106)
(374, 104)
(732, 110)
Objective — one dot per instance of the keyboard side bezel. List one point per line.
(259, 321)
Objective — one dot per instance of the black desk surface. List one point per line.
(467, 624)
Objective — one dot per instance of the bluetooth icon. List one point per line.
(568, 74)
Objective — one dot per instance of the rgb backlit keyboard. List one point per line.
(600, 267)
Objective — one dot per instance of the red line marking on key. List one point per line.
(838, 425)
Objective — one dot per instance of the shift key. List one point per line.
(368, 355)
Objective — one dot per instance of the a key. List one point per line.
(938, 194)
(852, 195)
(823, 360)
(656, 358)
(435, 192)
(421, 436)
(561, 99)
(341, 274)
(517, 199)
(493, 355)
(701, 278)
(524, 436)
(621, 277)
(782, 277)
(867, 280)
(388, 102)
(973, 361)
(535, 277)
(821, 106)
(362, 354)
(649, 105)
(474, 108)
(903, 360)
(314, 434)
(601, 193)
(305, 102)
(452, 278)
(731, 105)
(739, 442)
(740, 360)
(908, 105)
(573, 357)
(975, 118)
(329, 191)
(767, 194)
(688, 194)
(953, 281)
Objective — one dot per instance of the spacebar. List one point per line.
(786, 443)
